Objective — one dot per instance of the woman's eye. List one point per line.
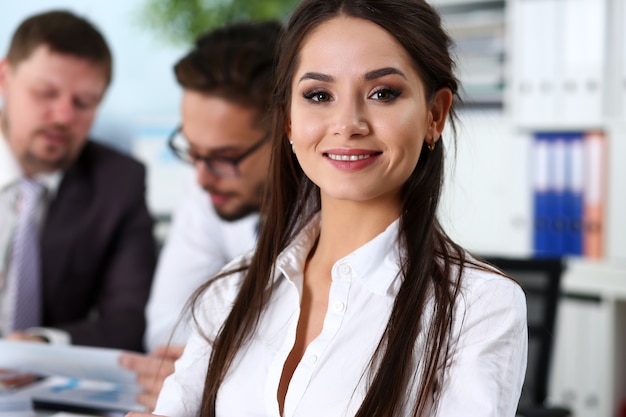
(385, 94)
(318, 96)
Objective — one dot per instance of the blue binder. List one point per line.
(541, 195)
(574, 203)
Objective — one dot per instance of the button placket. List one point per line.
(339, 298)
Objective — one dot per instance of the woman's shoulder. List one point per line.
(481, 281)
(219, 295)
(488, 303)
(227, 282)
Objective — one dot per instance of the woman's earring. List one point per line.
(291, 143)
(431, 145)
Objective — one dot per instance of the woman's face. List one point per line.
(359, 114)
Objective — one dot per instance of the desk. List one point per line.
(45, 413)
(589, 365)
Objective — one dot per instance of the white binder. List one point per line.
(582, 60)
(536, 43)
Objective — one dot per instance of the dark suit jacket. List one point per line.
(98, 251)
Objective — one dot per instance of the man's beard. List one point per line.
(35, 163)
(39, 165)
(239, 214)
(245, 209)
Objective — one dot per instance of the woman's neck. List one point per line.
(348, 225)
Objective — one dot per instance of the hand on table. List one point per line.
(151, 370)
(11, 379)
(25, 337)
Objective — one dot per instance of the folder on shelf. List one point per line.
(541, 195)
(557, 147)
(622, 53)
(594, 195)
(550, 194)
(537, 47)
(574, 188)
(582, 60)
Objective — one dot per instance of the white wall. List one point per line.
(143, 90)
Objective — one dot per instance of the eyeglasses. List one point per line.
(220, 166)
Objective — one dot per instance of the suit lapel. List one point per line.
(61, 231)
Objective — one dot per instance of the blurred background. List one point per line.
(536, 171)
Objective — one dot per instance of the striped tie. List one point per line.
(25, 258)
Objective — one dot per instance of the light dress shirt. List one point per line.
(197, 246)
(483, 378)
(10, 176)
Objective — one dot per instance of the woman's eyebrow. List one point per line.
(317, 76)
(372, 75)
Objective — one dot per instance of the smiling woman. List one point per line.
(365, 114)
(355, 301)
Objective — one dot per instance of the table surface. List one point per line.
(47, 413)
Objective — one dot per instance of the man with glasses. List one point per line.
(224, 135)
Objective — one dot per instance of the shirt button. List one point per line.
(312, 359)
(338, 306)
(345, 269)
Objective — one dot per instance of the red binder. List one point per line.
(595, 195)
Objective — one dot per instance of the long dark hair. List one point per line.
(433, 264)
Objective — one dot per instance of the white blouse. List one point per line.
(483, 379)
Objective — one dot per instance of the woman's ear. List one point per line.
(439, 108)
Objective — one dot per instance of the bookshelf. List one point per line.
(506, 111)
(557, 77)
(478, 29)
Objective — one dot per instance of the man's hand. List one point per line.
(25, 337)
(10, 379)
(151, 370)
(135, 414)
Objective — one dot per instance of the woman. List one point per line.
(355, 302)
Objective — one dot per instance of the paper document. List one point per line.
(77, 376)
(81, 362)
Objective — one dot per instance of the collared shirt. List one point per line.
(198, 245)
(488, 342)
(10, 175)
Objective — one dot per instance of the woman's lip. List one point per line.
(350, 154)
(337, 157)
(351, 160)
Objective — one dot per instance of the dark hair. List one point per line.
(433, 264)
(63, 32)
(235, 62)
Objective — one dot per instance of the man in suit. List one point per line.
(95, 256)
